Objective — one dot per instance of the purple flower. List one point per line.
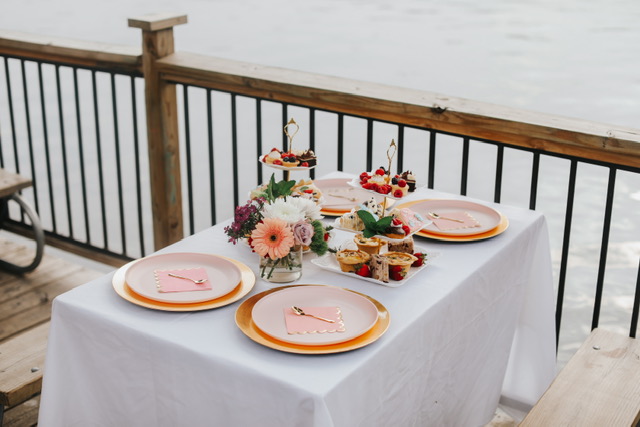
(303, 233)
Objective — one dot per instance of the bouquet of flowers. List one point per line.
(276, 224)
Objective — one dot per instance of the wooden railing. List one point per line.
(615, 148)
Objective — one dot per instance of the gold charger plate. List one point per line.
(248, 327)
(501, 227)
(247, 281)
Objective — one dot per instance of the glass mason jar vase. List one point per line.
(282, 270)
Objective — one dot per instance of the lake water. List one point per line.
(575, 58)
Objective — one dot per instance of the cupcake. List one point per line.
(399, 264)
(370, 245)
(350, 260)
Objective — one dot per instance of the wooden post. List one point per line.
(162, 128)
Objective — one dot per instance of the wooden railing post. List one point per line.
(162, 128)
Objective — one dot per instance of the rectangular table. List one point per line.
(446, 358)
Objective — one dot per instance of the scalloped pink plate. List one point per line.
(223, 275)
(358, 313)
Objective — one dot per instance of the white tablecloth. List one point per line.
(442, 362)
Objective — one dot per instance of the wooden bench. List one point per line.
(25, 311)
(600, 386)
(10, 185)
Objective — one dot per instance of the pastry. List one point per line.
(350, 260)
(370, 245)
(379, 267)
(399, 264)
(305, 188)
(410, 179)
(307, 158)
(405, 246)
(351, 221)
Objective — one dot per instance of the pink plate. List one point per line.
(358, 313)
(487, 217)
(336, 193)
(223, 275)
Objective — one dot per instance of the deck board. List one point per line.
(25, 304)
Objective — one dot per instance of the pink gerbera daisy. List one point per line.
(272, 237)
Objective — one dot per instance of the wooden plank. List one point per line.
(12, 182)
(600, 386)
(125, 59)
(20, 355)
(23, 415)
(426, 110)
(157, 21)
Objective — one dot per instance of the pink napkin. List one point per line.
(445, 224)
(166, 283)
(308, 325)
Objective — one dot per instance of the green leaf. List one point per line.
(275, 189)
(371, 226)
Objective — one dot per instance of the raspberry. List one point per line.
(375, 187)
(406, 230)
(380, 171)
(304, 164)
(363, 180)
(402, 183)
(397, 193)
(364, 175)
(277, 162)
(368, 185)
(396, 221)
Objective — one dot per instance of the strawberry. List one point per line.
(364, 271)
(402, 183)
(397, 193)
(380, 171)
(406, 230)
(420, 261)
(304, 164)
(277, 162)
(326, 237)
(396, 272)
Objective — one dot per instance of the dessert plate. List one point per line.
(339, 196)
(286, 168)
(359, 314)
(330, 263)
(223, 275)
(244, 287)
(249, 328)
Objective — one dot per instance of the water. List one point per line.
(575, 58)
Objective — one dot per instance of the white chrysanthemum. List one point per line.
(310, 209)
(284, 210)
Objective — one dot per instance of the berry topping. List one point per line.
(304, 164)
(394, 181)
(277, 162)
(397, 193)
(364, 175)
(380, 171)
(402, 183)
(396, 221)
(406, 230)
(420, 261)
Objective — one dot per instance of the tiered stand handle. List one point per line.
(290, 137)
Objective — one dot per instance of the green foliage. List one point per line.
(278, 189)
(371, 226)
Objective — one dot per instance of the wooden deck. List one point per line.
(25, 303)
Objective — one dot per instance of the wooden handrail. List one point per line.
(555, 134)
(122, 59)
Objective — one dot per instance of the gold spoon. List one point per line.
(196, 281)
(300, 312)
(436, 216)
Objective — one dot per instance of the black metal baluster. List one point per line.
(34, 178)
(565, 247)
(312, 137)
(432, 159)
(259, 148)
(63, 143)
(340, 141)
(11, 115)
(116, 134)
(400, 154)
(636, 307)
(136, 154)
(212, 179)
(234, 149)
(187, 142)
(499, 166)
(464, 179)
(96, 118)
(604, 248)
(369, 144)
(83, 176)
(535, 170)
(47, 153)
